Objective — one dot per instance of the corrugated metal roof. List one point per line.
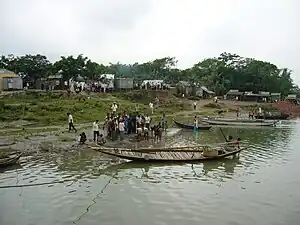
(6, 73)
(274, 94)
(108, 76)
(57, 76)
(152, 82)
(206, 90)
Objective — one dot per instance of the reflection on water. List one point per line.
(259, 187)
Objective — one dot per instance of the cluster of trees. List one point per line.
(220, 74)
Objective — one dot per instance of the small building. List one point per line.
(184, 87)
(9, 81)
(204, 93)
(52, 82)
(262, 96)
(232, 94)
(274, 97)
(292, 98)
(123, 84)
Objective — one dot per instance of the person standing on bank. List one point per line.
(70, 120)
(114, 108)
(195, 123)
(96, 130)
(151, 107)
(121, 129)
(147, 121)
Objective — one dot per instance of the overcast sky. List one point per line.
(141, 30)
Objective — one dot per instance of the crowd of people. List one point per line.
(117, 125)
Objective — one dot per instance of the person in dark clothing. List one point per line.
(129, 125)
(101, 140)
(133, 123)
(82, 138)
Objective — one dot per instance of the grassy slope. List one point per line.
(46, 108)
(51, 108)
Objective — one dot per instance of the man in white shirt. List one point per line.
(147, 121)
(151, 107)
(96, 130)
(114, 108)
(122, 129)
(259, 111)
(139, 120)
(70, 121)
(137, 107)
(195, 105)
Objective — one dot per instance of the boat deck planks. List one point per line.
(167, 155)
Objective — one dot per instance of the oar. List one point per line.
(224, 135)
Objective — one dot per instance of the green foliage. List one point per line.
(220, 74)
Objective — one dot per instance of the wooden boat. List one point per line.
(239, 122)
(191, 127)
(171, 154)
(273, 117)
(8, 160)
(151, 149)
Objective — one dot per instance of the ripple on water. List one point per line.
(260, 187)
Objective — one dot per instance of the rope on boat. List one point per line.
(31, 185)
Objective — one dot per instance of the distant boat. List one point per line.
(239, 122)
(191, 127)
(176, 154)
(273, 117)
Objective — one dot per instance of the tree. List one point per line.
(70, 67)
(33, 67)
(220, 74)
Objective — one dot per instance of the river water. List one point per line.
(260, 187)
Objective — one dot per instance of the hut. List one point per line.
(52, 82)
(292, 99)
(275, 97)
(184, 87)
(123, 84)
(232, 94)
(9, 81)
(261, 96)
(204, 93)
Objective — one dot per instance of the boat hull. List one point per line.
(10, 160)
(171, 156)
(191, 127)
